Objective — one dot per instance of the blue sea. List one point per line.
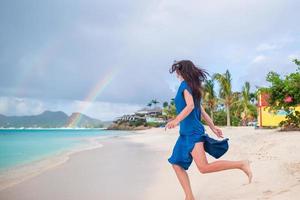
(23, 146)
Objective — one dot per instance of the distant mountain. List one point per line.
(81, 120)
(51, 119)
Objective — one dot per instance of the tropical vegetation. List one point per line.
(227, 107)
(284, 93)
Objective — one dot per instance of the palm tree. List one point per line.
(245, 102)
(170, 109)
(246, 97)
(210, 97)
(235, 108)
(154, 101)
(172, 102)
(225, 93)
(149, 104)
(165, 104)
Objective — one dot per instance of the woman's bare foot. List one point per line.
(246, 168)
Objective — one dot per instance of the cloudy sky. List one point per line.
(54, 53)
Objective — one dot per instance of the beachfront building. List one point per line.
(268, 118)
(145, 114)
(155, 120)
(149, 111)
(129, 118)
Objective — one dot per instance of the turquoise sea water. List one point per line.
(22, 146)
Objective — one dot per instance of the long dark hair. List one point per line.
(194, 76)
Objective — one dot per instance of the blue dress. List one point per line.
(192, 131)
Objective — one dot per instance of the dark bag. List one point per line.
(215, 148)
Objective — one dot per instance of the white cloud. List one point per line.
(259, 59)
(20, 106)
(266, 47)
(14, 106)
(255, 72)
(276, 44)
(63, 59)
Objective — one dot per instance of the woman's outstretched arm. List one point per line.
(206, 118)
(210, 123)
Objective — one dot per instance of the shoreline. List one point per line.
(40, 128)
(17, 174)
(65, 175)
(135, 167)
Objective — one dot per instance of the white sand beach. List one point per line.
(135, 167)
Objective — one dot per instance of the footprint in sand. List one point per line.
(282, 191)
(267, 192)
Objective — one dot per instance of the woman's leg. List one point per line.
(199, 157)
(184, 181)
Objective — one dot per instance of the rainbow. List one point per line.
(104, 80)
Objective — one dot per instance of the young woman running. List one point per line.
(192, 141)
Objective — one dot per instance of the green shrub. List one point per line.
(292, 120)
(136, 123)
(154, 124)
(220, 118)
(235, 121)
